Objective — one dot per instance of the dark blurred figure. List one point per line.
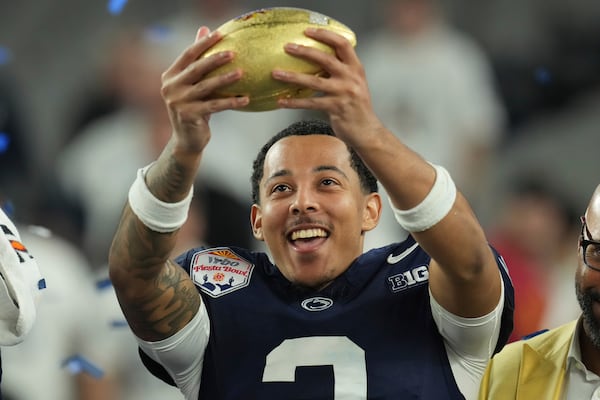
(531, 227)
(16, 172)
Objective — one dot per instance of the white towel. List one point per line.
(20, 285)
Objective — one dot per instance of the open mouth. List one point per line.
(308, 240)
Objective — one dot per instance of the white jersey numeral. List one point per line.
(346, 358)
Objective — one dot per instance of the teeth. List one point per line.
(308, 233)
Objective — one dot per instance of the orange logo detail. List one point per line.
(18, 245)
(225, 253)
(219, 277)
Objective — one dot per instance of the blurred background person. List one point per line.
(20, 286)
(127, 134)
(533, 228)
(65, 327)
(434, 86)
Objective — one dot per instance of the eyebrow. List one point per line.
(320, 168)
(330, 168)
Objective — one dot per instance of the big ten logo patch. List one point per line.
(410, 278)
(220, 271)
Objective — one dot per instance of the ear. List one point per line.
(256, 221)
(372, 212)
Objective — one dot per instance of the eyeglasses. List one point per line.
(590, 248)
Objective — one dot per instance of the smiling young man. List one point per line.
(310, 205)
(316, 317)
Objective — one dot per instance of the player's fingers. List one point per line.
(343, 48)
(193, 110)
(198, 69)
(178, 96)
(318, 83)
(202, 32)
(206, 88)
(312, 103)
(194, 51)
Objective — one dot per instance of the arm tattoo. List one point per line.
(167, 305)
(156, 295)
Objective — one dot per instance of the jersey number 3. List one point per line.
(345, 356)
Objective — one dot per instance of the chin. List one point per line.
(312, 282)
(589, 301)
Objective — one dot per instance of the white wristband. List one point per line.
(156, 214)
(435, 206)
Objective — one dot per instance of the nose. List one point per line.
(304, 201)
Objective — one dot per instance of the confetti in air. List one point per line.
(103, 284)
(77, 364)
(8, 207)
(4, 142)
(118, 323)
(115, 7)
(542, 76)
(5, 55)
(158, 34)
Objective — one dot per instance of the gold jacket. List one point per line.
(530, 369)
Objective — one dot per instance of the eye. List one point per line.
(280, 188)
(328, 182)
(594, 250)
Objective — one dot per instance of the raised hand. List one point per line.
(344, 93)
(188, 94)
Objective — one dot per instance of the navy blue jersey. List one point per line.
(370, 334)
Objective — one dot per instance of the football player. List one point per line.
(314, 317)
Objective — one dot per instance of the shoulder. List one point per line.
(560, 335)
(542, 343)
(407, 251)
(524, 360)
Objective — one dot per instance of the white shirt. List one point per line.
(581, 384)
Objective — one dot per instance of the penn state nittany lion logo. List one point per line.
(220, 271)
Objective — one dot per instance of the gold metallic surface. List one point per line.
(258, 38)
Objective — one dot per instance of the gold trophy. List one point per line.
(257, 38)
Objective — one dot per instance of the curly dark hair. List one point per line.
(368, 181)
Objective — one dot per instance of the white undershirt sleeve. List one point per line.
(469, 342)
(183, 353)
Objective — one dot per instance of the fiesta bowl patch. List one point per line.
(220, 271)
